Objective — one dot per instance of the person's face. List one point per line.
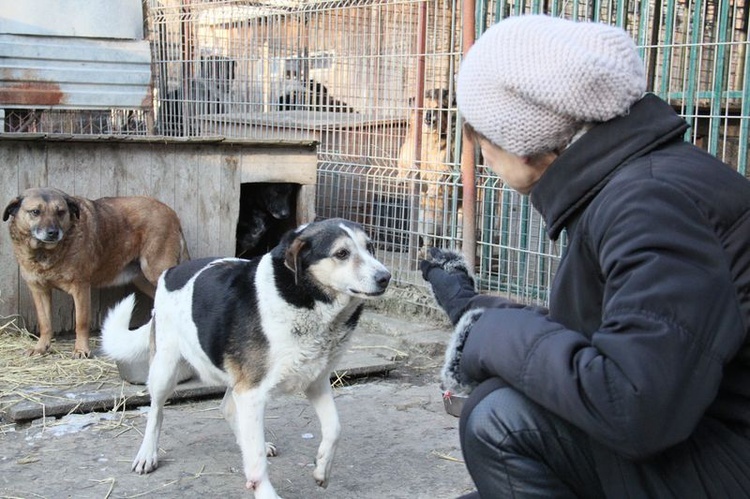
(519, 173)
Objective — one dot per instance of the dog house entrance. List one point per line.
(267, 211)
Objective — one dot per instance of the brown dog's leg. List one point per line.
(144, 285)
(82, 300)
(156, 258)
(43, 303)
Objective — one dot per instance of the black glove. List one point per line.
(451, 282)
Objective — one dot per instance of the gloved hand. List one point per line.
(450, 280)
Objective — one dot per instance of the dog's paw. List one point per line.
(322, 471)
(39, 349)
(260, 491)
(322, 482)
(271, 450)
(79, 353)
(261, 487)
(145, 464)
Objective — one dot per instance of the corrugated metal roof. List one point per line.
(67, 73)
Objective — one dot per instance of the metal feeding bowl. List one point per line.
(136, 373)
(454, 403)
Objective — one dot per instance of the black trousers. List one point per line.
(514, 448)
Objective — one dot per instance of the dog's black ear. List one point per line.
(73, 206)
(12, 208)
(292, 257)
(443, 95)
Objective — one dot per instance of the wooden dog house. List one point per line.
(199, 178)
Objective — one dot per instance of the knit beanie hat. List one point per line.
(529, 83)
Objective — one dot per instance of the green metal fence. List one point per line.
(696, 55)
(697, 59)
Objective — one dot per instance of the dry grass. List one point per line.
(28, 378)
(446, 456)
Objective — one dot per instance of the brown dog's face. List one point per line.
(437, 105)
(42, 215)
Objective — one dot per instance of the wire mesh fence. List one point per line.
(695, 53)
(373, 83)
(89, 122)
(370, 81)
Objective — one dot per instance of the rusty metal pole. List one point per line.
(468, 166)
(186, 48)
(415, 190)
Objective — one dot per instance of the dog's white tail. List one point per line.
(118, 341)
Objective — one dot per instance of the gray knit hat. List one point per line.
(529, 83)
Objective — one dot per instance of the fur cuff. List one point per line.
(452, 381)
(449, 260)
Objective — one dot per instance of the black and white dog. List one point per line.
(278, 321)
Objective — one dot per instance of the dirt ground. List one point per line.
(397, 440)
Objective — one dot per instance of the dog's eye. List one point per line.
(61, 213)
(342, 254)
(35, 212)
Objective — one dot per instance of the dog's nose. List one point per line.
(52, 233)
(280, 214)
(382, 279)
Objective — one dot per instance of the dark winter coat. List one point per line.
(646, 344)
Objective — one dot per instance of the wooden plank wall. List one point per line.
(199, 179)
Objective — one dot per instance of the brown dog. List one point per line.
(433, 167)
(76, 244)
